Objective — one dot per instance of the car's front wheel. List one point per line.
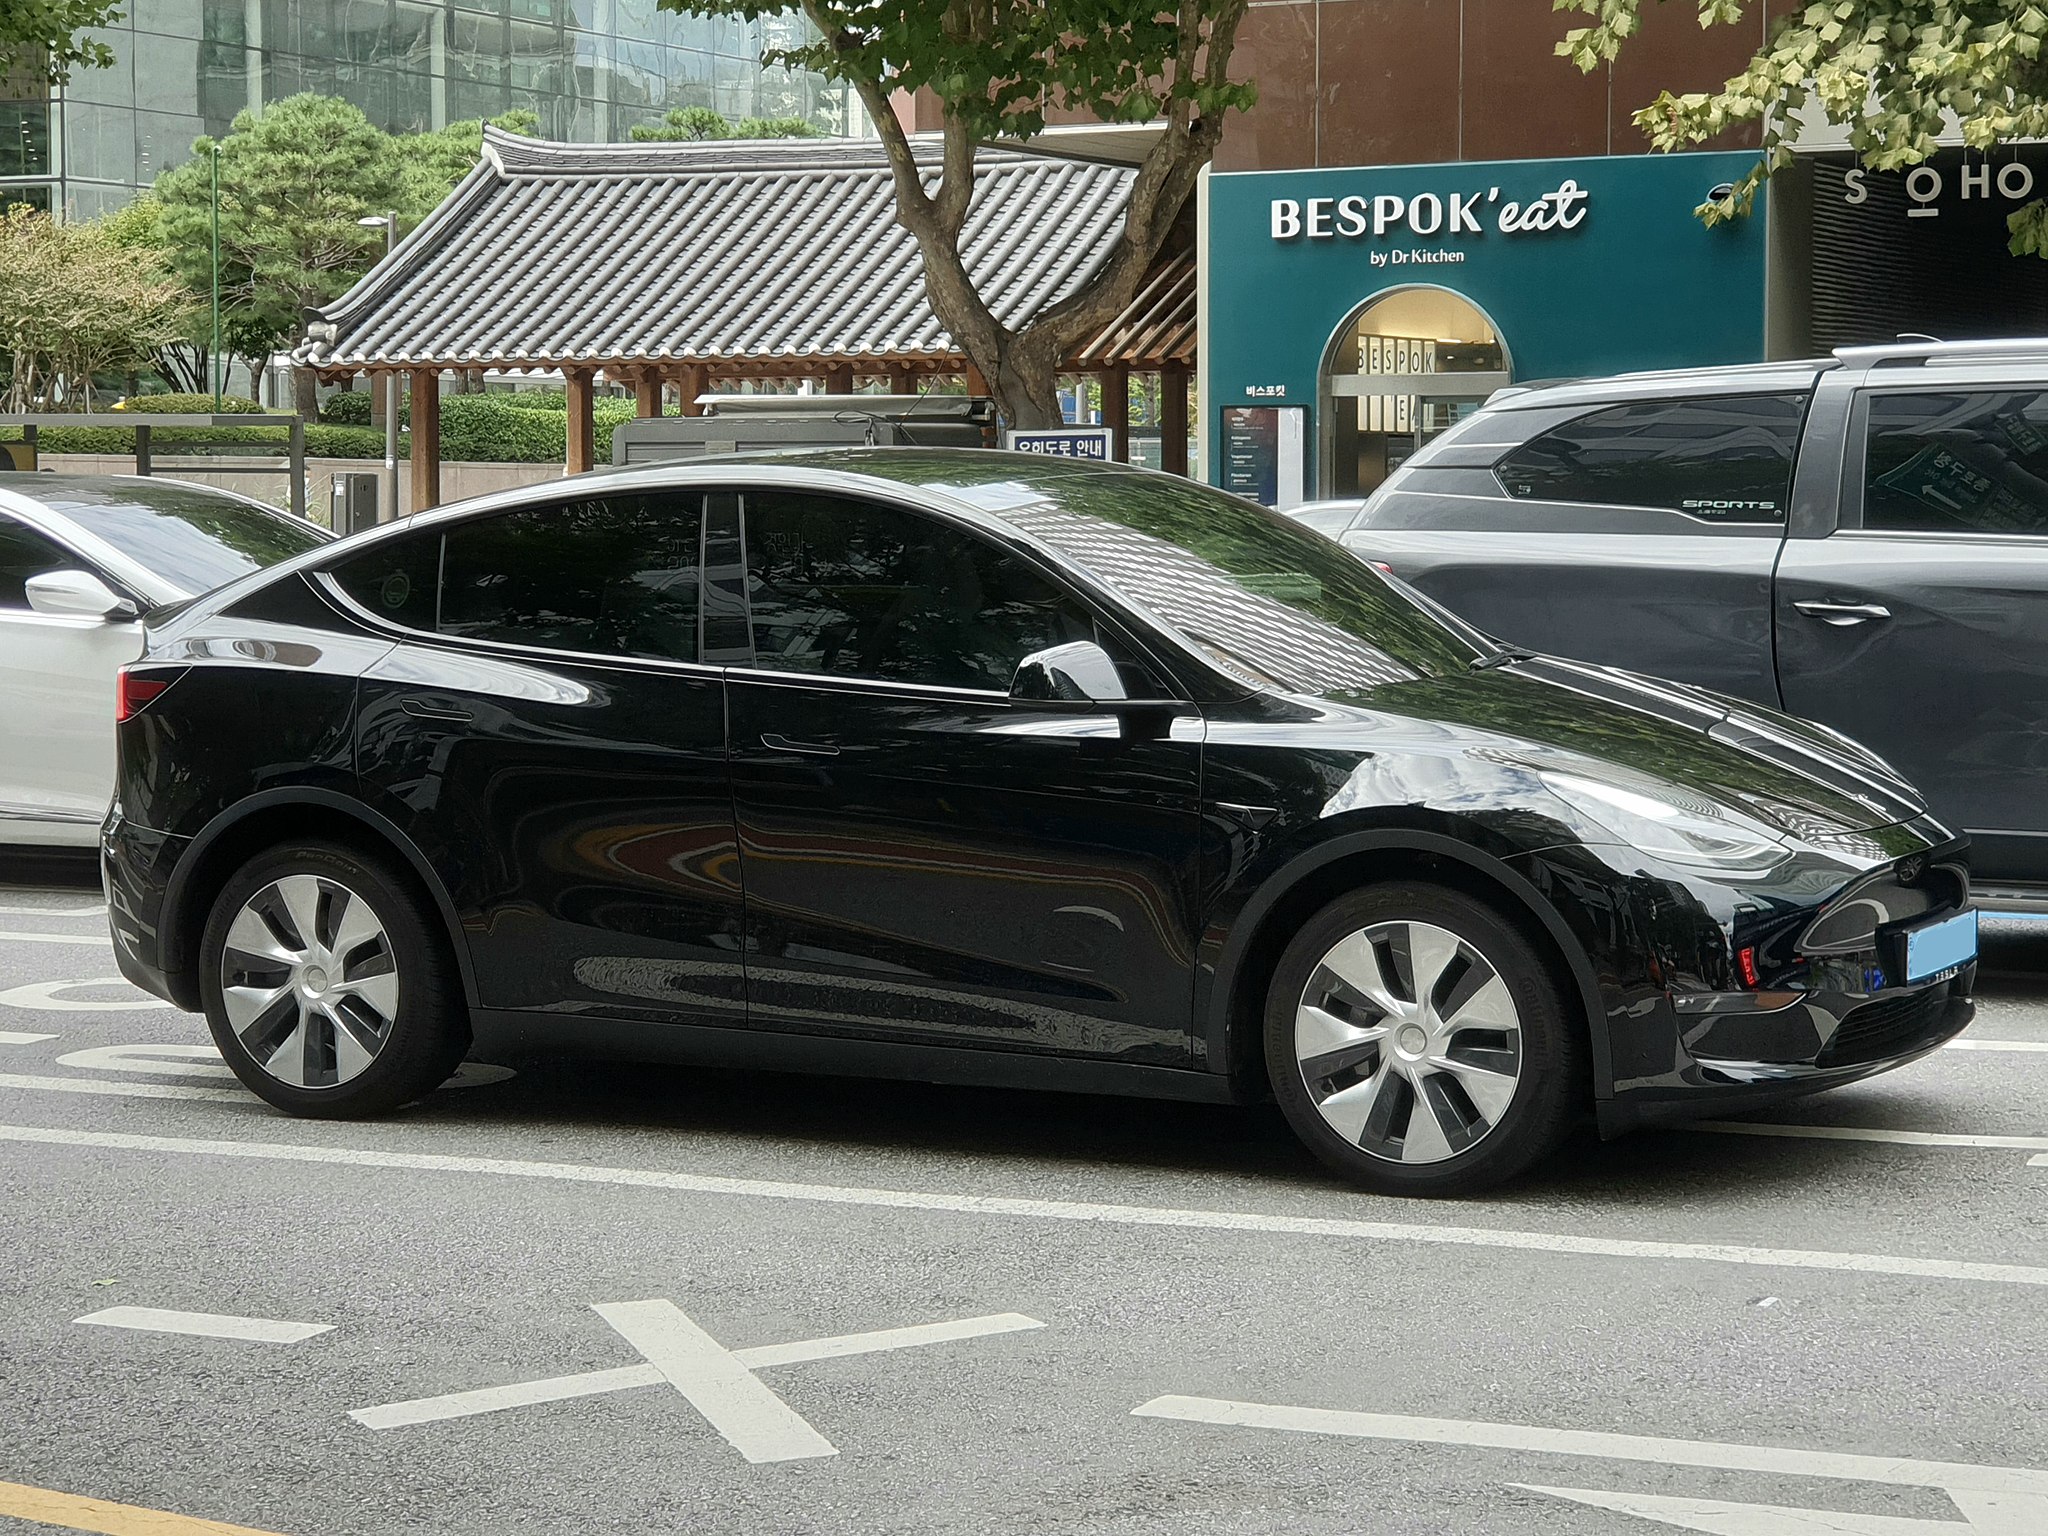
(326, 986)
(1416, 1042)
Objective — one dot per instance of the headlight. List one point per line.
(1671, 825)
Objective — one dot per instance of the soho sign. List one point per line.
(2015, 183)
(1460, 213)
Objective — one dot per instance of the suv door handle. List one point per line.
(1841, 615)
(423, 710)
(776, 743)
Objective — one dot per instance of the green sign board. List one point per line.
(1582, 267)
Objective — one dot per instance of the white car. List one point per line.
(82, 559)
(1329, 518)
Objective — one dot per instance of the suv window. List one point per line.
(609, 576)
(1957, 461)
(25, 553)
(854, 589)
(1724, 458)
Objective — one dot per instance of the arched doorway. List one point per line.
(1373, 416)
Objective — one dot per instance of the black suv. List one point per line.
(1861, 540)
(982, 768)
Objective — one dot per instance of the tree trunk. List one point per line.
(305, 393)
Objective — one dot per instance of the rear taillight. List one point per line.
(133, 693)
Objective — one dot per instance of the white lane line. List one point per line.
(94, 911)
(734, 1401)
(1865, 1133)
(2034, 1046)
(552, 1389)
(56, 938)
(162, 1060)
(46, 997)
(1896, 1471)
(1046, 1210)
(118, 1089)
(21, 1037)
(1986, 1514)
(206, 1325)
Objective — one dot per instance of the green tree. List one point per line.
(294, 181)
(74, 303)
(40, 37)
(996, 71)
(1896, 74)
(430, 164)
(684, 125)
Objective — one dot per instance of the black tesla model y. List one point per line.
(980, 768)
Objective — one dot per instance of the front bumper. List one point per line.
(1734, 1063)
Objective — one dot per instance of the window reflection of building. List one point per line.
(1304, 653)
(589, 69)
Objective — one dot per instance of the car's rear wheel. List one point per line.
(326, 986)
(1417, 1043)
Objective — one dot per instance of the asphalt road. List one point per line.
(1156, 1317)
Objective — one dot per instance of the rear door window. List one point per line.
(1957, 461)
(1724, 459)
(606, 576)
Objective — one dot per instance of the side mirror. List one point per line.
(77, 595)
(1079, 672)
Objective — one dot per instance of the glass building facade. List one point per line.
(590, 69)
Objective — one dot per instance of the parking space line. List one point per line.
(21, 1037)
(74, 1513)
(734, 1401)
(160, 1060)
(46, 997)
(98, 909)
(120, 1090)
(2040, 1046)
(100, 939)
(206, 1325)
(1897, 1471)
(1866, 1133)
(1045, 1210)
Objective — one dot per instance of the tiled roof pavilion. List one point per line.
(689, 263)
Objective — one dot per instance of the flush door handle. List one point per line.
(1842, 615)
(424, 710)
(775, 743)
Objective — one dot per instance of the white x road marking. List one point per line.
(718, 1382)
(1994, 1501)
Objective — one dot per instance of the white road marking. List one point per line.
(1985, 1515)
(2040, 1046)
(101, 939)
(551, 1389)
(1045, 1210)
(1865, 1133)
(718, 1382)
(734, 1401)
(21, 1037)
(121, 1090)
(188, 1060)
(99, 910)
(206, 1325)
(45, 997)
(1894, 1471)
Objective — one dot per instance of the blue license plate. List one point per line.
(1941, 946)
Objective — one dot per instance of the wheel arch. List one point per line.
(1233, 1020)
(262, 821)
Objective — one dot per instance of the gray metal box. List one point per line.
(354, 506)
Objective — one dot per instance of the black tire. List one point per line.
(1548, 1049)
(417, 1046)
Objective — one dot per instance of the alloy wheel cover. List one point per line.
(1409, 1042)
(309, 981)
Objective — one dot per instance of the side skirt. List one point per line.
(512, 1034)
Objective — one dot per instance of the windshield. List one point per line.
(1276, 604)
(187, 536)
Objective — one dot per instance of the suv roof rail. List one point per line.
(1904, 354)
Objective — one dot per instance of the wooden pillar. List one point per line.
(1173, 419)
(1116, 411)
(839, 379)
(694, 382)
(579, 383)
(426, 438)
(976, 384)
(647, 387)
(902, 379)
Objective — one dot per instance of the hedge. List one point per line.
(346, 409)
(490, 429)
(230, 405)
(322, 442)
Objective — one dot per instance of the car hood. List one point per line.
(1548, 712)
